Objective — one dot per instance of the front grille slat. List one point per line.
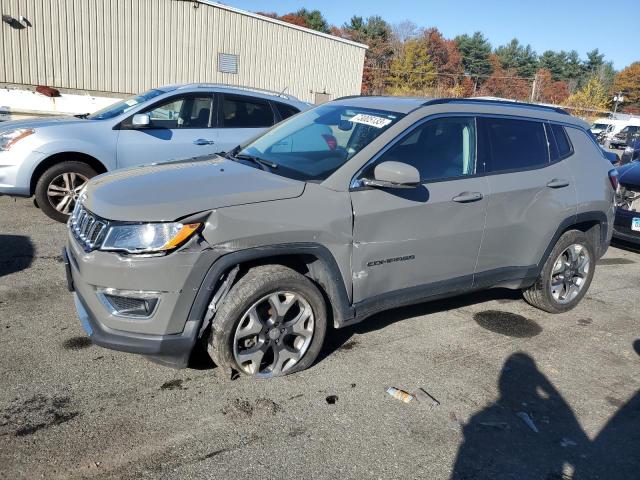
(87, 228)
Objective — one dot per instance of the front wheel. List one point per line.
(566, 274)
(59, 186)
(271, 323)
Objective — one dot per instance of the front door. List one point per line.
(181, 127)
(426, 238)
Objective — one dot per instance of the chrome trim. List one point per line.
(135, 294)
(88, 229)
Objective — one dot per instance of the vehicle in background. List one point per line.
(353, 207)
(53, 158)
(613, 127)
(631, 152)
(601, 125)
(624, 136)
(627, 223)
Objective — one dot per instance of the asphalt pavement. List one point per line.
(522, 393)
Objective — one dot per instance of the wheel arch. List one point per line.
(60, 157)
(314, 261)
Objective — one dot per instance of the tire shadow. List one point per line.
(16, 253)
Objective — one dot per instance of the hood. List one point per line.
(629, 174)
(39, 122)
(169, 191)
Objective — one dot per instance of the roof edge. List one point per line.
(280, 22)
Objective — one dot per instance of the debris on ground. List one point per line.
(527, 420)
(496, 425)
(401, 395)
(332, 399)
(423, 396)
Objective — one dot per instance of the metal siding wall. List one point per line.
(126, 46)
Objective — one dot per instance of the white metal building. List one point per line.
(119, 47)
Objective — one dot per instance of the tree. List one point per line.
(376, 33)
(548, 91)
(475, 51)
(505, 83)
(445, 57)
(514, 56)
(554, 62)
(314, 19)
(590, 100)
(628, 82)
(594, 60)
(412, 71)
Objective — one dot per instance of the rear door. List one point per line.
(406, 238)
(241, 118)
(182, 126)
(530, 194)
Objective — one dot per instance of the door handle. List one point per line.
(202, 141)
(558, 183)
(467, 197)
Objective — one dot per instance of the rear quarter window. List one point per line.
(559, 143)
(511, 144)
(285, 110)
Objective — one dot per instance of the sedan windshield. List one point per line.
(123, 106)
(314, 144)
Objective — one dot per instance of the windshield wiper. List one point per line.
(254, 159)
(82, 115)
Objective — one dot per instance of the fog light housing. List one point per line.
(127, 303)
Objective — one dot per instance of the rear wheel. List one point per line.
(271, 323)
(59, 186)
(566, 275)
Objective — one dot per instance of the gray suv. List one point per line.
(354, 207)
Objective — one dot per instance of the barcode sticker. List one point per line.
(370, 120)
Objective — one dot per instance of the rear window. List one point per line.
(513, 144)
(286, 111)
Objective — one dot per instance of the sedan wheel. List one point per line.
(569, 273)
(64, 189)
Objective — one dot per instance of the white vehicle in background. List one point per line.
(52, 158)
(606, 129)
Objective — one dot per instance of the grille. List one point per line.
(130, 306)
(87, 228)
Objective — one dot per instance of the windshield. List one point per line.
(314, 144)
(599, 126)
(123, 106)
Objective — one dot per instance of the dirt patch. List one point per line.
(175, 384)
(241, 408)
(77, 343)
(349, 345)
(614, 402)
(585, 321)
(39, 412)
(615, 261)
(507, 323)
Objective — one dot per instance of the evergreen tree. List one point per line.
(475, 51)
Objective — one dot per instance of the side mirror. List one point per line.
(141, 120)
(394, 175)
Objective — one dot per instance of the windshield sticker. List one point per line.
(370, 120)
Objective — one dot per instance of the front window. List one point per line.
(123, 106)
(314, 144)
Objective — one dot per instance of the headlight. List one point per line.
(9, 138)
(148, 237)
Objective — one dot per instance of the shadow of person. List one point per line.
(499, 444)
(16, 253)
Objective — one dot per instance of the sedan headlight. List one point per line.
(148, 237)
(9, 138)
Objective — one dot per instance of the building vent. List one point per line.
(227, 63)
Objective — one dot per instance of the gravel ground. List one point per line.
(522, 394)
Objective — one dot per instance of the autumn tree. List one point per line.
(312, 19)
(411, 72)
(505, 83)
(446, 59)
(589, 100)
(550, 91)
(628, 82)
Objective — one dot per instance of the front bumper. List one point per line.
(170, 333)
(622, 226)
(16, 169)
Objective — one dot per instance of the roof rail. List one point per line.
(508, 103)
(242, 87)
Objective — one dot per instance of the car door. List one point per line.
(426, 238)
(530, 194)
(181, 126)
(241, 118)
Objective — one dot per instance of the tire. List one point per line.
(58, 187)
(545, 293)
(255, 290)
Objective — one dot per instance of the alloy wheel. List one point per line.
(569, 273)
(273, 334)
(64, 189)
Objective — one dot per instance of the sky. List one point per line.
(580, 25)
